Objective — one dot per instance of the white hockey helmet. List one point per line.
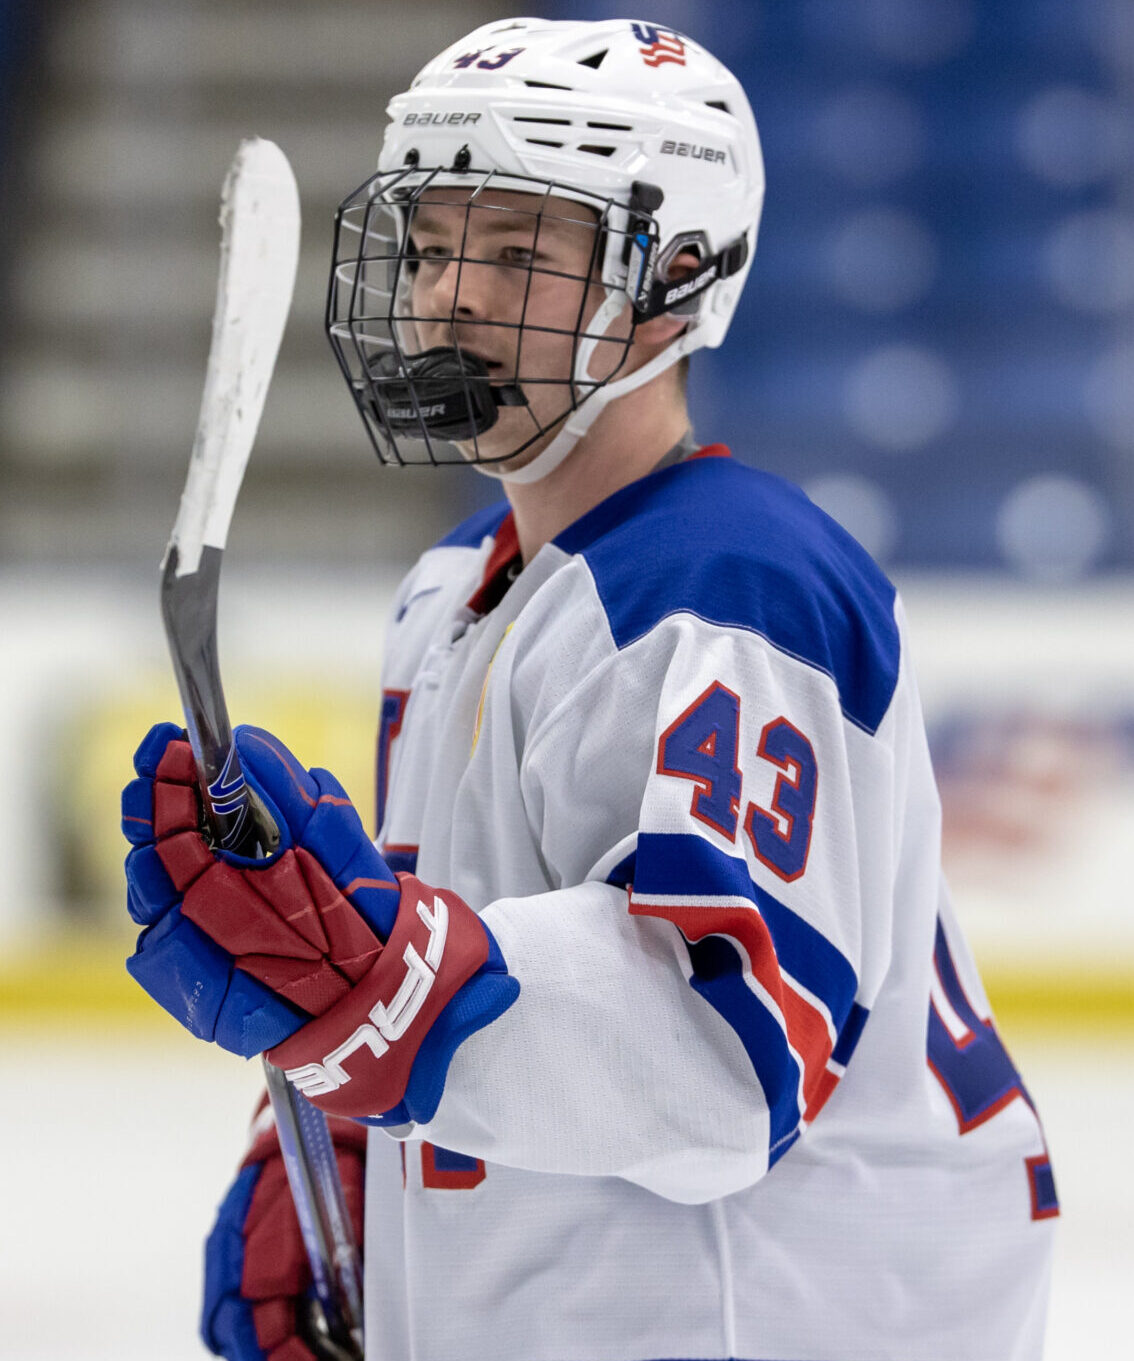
(636, 122)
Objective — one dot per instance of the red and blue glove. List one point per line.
(257, 1278)
(359, 983)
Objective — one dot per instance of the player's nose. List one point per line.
(463, 289)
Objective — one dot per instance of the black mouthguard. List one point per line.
(445, 390)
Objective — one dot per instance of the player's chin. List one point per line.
(519, 435)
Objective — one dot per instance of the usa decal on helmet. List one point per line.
(659, 46)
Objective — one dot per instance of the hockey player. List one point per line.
(650, 982)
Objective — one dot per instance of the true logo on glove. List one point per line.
(276, 956)
(389, 1021)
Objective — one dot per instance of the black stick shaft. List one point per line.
(189, 611)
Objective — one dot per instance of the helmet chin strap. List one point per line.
(579, 422)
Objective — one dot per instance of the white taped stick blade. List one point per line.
(259, 253)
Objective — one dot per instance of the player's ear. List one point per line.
(658, 332)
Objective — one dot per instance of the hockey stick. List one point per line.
(259, 253)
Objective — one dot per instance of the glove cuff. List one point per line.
(356, 1059)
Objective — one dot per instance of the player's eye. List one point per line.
(518, 255)
(419, 252)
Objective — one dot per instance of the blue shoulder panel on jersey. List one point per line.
(481, 524)
(743, 549)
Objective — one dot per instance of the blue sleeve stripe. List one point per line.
(781, 985)
(691, 868)
(622, 874)
(718, 975)
(851, 1034)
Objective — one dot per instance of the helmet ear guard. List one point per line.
(656, 296)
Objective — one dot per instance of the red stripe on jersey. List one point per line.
(810, 1037)
(494, 582)
(821, 1090)
(808, 1029)
(461, 1178)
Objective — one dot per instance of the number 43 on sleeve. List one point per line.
(703, 745)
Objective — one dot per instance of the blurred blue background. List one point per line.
(937, 339)
(937, 334)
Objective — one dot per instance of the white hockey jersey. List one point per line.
(749, 1105)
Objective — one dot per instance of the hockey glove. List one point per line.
(359, 983)
(257, 1279)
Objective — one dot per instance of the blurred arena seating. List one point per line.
(135, 112)
(937, 341)
(938, 336)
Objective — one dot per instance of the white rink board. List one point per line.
(73, 644)
(1038, 685)
(1029, 697)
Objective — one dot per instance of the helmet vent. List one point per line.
(594, 61)
(610, 127)
(719, 104)
(539, 141)
(545, 85)
(529, 118)
(597, 150)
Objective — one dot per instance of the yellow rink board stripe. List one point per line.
(86, 980)
(72, 980)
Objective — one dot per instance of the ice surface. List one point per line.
(114, 1151)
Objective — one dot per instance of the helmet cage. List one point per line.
(418, 402)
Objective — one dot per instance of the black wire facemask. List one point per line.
(425, 383)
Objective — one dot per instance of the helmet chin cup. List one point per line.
(445, 390)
